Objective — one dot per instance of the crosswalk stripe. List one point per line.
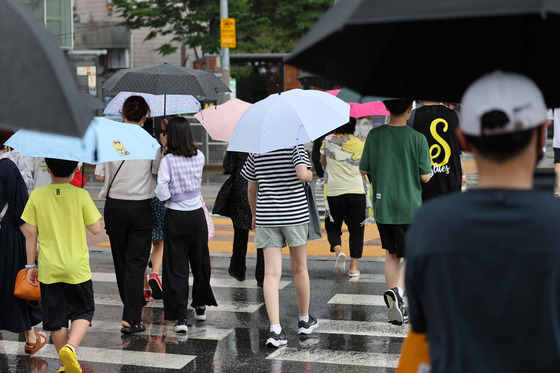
(356, 358)
(215, 282)
(367, 328)
(105, 355)
(223, 306)
(200, 332)
(371, 277)
(360, 300)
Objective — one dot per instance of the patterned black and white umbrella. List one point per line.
(166, 79)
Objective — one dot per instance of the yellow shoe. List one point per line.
(67, 356)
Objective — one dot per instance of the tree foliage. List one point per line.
(262, 26)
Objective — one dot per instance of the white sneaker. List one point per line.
(340, 264)
(181, 326)
(200, 313)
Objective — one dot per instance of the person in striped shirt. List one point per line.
(280, 218)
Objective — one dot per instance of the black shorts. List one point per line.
(556, 155)
(392, 237)
(62, 302)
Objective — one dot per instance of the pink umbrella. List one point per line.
(362, 110)
(220, 120)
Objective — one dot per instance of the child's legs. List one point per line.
(59, 338)
(157, 255)
(272, 275)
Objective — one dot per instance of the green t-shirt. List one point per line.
(60, 211)
(395, 157)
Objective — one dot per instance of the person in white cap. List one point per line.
(483, 270)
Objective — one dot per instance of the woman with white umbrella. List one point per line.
(129, 187)
(280, 218)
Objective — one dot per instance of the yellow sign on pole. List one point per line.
(227, 33)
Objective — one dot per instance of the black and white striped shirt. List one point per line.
(281, 199)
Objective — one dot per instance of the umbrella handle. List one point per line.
(297, 136)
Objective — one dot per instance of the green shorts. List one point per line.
(291, 235)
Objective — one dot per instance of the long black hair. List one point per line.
(180, 139)
(347, 128)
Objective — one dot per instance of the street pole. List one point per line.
(225, 54)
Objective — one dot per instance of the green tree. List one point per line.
(262, 26)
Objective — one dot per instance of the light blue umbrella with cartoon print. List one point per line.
(104, 141)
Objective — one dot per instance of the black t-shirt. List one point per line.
(438, 123)
(483, 280)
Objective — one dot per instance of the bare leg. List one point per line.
(392, 270)
(30, 336)
(298, 262)
(78, 331)
(60, 338)
(157, 255)
(337, 250)
(353, 265)
(272, 275)
(402, 271)
(557, 171)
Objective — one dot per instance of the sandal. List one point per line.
(31, 348)
(133, 328)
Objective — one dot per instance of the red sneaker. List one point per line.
(155, 285)
(147, 295)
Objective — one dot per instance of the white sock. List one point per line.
(401, 291)
(276, 328)
(304, 318)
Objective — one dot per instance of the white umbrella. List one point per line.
(286, 119)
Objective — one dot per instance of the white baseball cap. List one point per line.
(517, 96)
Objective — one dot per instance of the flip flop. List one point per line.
(32, 348)
(354, 274)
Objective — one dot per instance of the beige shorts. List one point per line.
(291, 235)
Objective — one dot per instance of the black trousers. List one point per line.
(237, 262)
(351, 209)
(129, 227)
(185, 242)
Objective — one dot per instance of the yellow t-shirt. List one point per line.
(343, 153)
(60, 211)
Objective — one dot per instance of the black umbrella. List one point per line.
(306, 78)
(38, 89)
(94, 102)
(166, 79)
(433, 49)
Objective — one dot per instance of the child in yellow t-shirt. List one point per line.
(59, 212)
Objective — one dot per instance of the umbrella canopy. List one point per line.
(309, 79)
(286, 119)
(104, 141)
(166, 79)
(38, 88)
(432, 49)
(160, 105)
(220, 120)
(358, 110)
(94, 102)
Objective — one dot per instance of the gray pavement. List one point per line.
(353, 333)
